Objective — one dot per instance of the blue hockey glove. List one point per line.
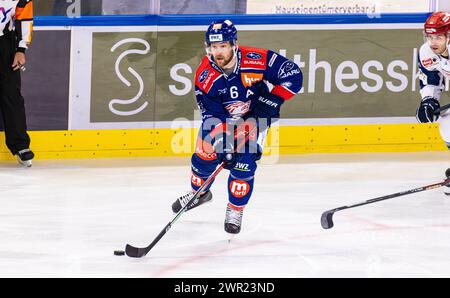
(225, 152)
(264, 104)
(425, 112)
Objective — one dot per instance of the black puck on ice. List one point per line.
(119, 253)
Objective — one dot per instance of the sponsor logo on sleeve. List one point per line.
(254, 56)
(205, 79)
(427, 62)
(288, 69)
(203, 76)
(287, 84)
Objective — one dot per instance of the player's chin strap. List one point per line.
(235, 49)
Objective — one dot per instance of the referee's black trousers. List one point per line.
(12, 103)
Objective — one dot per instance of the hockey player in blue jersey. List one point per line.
(434, 68)
(230, 88)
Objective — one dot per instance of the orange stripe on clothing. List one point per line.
(24, 12)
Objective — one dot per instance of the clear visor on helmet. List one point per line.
(233, 44)
(442, 38)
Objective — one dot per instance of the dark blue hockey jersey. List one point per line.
(221, 96)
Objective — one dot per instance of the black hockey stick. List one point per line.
(442, 109)
(137, 252)
(327, 217)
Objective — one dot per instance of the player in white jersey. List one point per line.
(434, 68)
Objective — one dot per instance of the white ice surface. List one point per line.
(65, 219)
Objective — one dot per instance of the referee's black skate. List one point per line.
(183, 200)
(25, 157)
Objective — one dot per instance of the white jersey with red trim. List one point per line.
(434, 70)
(225, 96)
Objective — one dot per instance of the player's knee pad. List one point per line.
(240, 181)
(202, 166)
(239, 190)
(201, 170)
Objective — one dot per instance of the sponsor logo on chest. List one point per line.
(249, 79)
(238, 107)
(257, 63)
(427, 62)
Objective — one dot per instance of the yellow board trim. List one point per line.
(180, 142)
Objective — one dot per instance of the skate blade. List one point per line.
(231, 238)
(26, 163)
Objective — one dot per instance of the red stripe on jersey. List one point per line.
(282, 92)
(253, 58)
(206, 75)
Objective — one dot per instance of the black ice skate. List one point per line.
(183, 200)
(24, 157)
(233, 219)
(447, 190)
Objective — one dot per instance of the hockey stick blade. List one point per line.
(326, 220)
(135, 252)
(139, 252)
